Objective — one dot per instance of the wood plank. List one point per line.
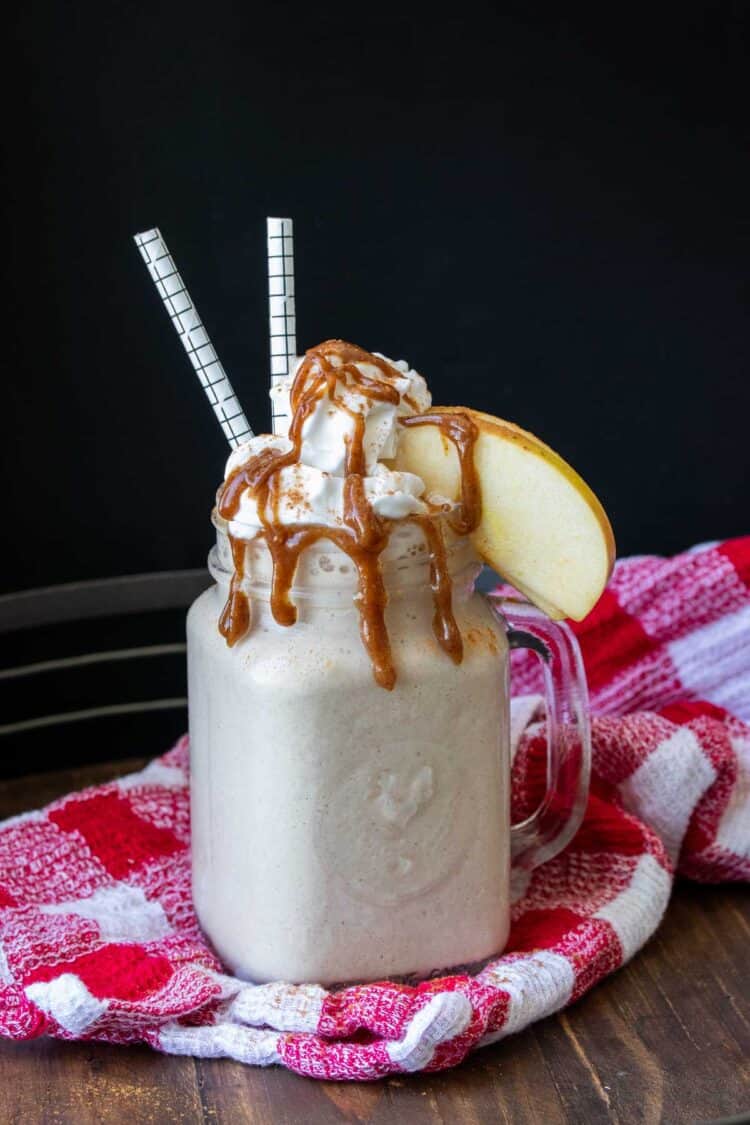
(666, 1040)
(655, 1038)
(95, 1084)
(508, 1082)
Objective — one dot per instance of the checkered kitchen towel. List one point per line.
(98, 939)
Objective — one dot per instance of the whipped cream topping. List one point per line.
(311, 492)
(329, 480)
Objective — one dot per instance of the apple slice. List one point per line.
(542, 528)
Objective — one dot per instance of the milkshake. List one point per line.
(349, 688)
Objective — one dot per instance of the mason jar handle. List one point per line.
(557, 819)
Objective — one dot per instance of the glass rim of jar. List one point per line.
(401, 573)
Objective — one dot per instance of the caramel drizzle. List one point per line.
(235, 618)
(363, 535)
(447, 633)
(461, 430)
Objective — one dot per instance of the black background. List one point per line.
(547, 216)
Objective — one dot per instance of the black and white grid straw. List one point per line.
(282, 321)
(189, 327)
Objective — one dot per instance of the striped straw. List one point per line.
(195, 340)
(281, 313)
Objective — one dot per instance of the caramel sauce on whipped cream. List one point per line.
(363, 534)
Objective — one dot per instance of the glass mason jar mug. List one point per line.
(343, 832)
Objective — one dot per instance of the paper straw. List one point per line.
(282, 321)
(195, 340)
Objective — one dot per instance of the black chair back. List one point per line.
(92, 671)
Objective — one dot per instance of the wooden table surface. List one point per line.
(667, 1039)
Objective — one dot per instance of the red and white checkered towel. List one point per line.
(98, 939)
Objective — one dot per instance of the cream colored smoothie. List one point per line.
(349, 688)
(341, 831)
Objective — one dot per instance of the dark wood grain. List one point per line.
(666, 1040)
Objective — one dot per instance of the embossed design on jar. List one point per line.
(396, 827)
(399, 798)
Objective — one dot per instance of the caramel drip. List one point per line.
(370, 536)
(444, 624)
(254, 475)
(461, 430)
(363, 535)
(235, 617)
